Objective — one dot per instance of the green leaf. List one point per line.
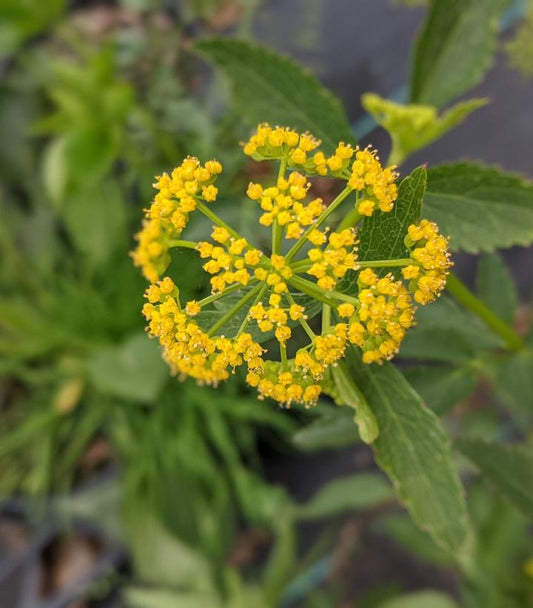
(454, 49)
(345, 392)
(405, 533)
(161, 558)
(421, 599)
(442, 387)
(362, 491)
(509, 468)
(480, 208)
(446, 332)
(382, 235)
(413, 126)
(512, 375)
(132, 371)
(95, 218)
(270, 87)
(413, 449)
(334, 430)
(496, 287)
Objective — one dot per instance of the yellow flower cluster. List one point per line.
(168, 215)
(151, 254)
(188, 350)
(275, 316)
(377, 184)
(304, 261)
(383, 314)
(231, 262)
(331, 264)
(284, 204)
(280, 142)
(431, 261)
(361, 168)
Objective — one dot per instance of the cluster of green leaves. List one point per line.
(453, 349)
(77, 365)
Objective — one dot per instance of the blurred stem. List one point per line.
(180, 243)
(463, 295)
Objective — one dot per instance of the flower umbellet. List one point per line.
(269, 288)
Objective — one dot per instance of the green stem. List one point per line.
(234, 310)
(216, 219)
(277, 230)
(321, 219)
(311, 290)
(246, 320)
(303, 265)
(326, 318)
(180, 243)
(463, 295)
(217, 296)
(385, 263)
(303, 323)
(283, 355)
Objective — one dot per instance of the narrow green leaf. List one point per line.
(414, 126)
(413, 449)
(421, 599)
(496, 287)
(345, 392)
(270, 87)
(442, 386)
(509, 468)
(480, 208)
(454, 49)
(133, 370)
(362, 491)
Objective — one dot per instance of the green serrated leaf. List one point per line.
(479, 208)
(509, 468)
(344, 391)
(442, 387)
(382, 235)
(270, 87)
(454, 50)
(414, 126)
(413, 449)
(496, 287)
(362, 491)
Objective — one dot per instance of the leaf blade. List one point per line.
(509, 468)
(270, 87)
(413, 450)
(479, 208)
